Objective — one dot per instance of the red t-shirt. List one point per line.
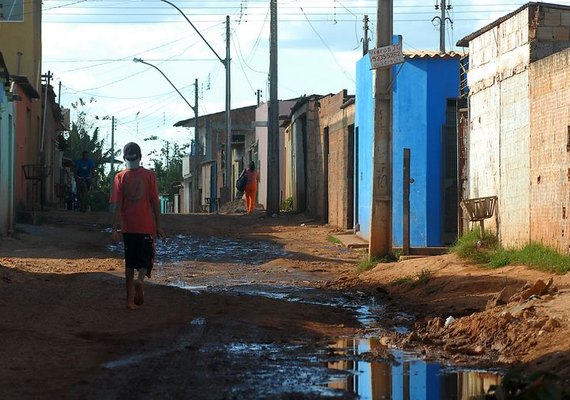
(136, 190)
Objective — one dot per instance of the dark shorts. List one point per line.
(139, 250)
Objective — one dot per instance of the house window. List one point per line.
(11, 10)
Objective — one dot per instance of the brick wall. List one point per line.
(335, 119)
(315, 164)
(550, 155)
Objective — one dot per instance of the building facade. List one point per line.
(505, 153)
(204, 185)
(425, 87)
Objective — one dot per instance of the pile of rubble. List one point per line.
(504, 331)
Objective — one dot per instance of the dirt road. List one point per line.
(238, 307)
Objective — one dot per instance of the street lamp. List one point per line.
(226, 63)
(195, 108)
(140, 60)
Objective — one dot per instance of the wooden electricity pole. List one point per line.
(380, 244)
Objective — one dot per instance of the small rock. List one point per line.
(551, 325)
(507, 316)
(478, 350)
(450, 320)
(501, 298)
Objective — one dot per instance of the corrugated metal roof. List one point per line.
(430, 54)
(465, 41)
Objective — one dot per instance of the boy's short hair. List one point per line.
(132, 152)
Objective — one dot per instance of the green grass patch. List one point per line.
(333, 239)
(421, 278)
(368, 263)
(533, 255)
(486, 251)
(424, 276)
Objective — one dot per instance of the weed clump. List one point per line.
(486, 251)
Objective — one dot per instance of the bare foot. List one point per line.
(132, 307)
(139, 293)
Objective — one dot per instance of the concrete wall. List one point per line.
(498, 144)
(550, 29)
(550, 151)
(24, 37)
(7, 163)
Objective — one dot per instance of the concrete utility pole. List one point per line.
(365, 40)
(228, 112)
(381, 212)
(273, 120)
(195, 108)
(443, 7)
(112, 174)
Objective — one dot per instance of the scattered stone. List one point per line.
(507, 316)
(537, 289)
(501, 298)
(450, 320)
(551, 325)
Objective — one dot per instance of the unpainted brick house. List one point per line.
(319, 158)
(518, 139)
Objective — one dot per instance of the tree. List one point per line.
(168, 165)
(84, 136)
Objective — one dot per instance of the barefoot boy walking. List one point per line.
(134, 198)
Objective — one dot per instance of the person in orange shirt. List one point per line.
(134, 197)
(251, 187)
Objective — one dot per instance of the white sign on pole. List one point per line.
(386, 56)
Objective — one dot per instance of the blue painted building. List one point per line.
(425, 89)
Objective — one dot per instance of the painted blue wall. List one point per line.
(421, 87)
(363, 143)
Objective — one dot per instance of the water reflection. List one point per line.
(408, 378)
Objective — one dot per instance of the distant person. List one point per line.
(134, 200)
(251, 187)
(84, 169)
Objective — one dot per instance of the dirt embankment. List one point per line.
(469, 314)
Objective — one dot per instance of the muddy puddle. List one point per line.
(183, 248)
(349, 368)
(353, 367)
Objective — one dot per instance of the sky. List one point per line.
(89, 46)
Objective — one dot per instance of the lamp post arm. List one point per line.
(196, 29)
(165, 77)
